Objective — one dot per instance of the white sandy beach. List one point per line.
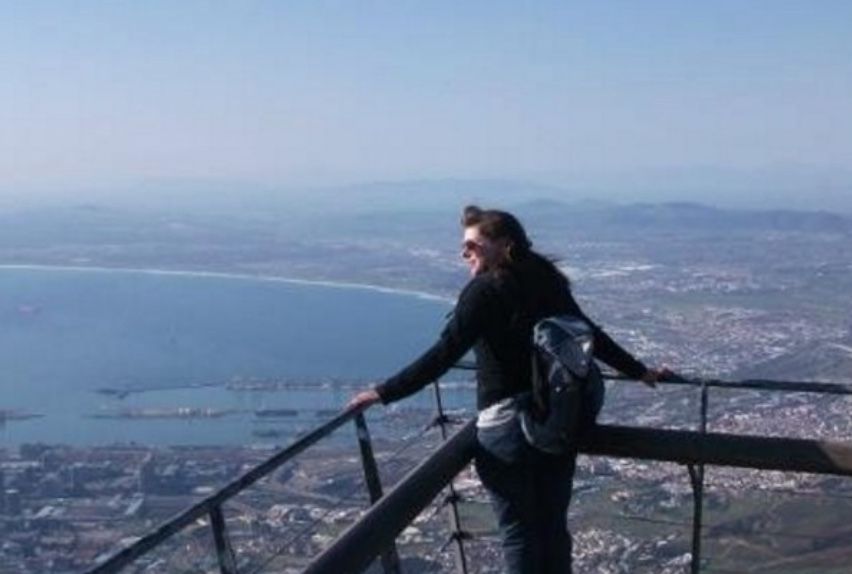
(235, 276)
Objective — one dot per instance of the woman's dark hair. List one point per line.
(495, 224)
(519, 256)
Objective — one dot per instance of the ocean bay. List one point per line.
(107, 356)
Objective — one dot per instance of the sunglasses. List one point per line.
(471, 246)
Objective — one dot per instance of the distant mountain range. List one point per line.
(385, 210)
(682, 215)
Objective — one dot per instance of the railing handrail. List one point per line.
(204, 507)
(720, 449)
(215, 501)
(818, 387)
(362, 541)
(377, 529)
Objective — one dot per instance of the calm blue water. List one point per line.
(65, 333)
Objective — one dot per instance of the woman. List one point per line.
(511, 288)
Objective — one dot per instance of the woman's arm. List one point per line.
(467, 324)
(610, 352)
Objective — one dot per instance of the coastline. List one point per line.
(232, 276)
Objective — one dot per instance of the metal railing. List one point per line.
(695, 449)
(211, 506)
(375, 533)
(378, 528)
(696, 467)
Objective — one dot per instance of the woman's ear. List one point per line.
(509, 251)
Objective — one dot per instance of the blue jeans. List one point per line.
(530, 493)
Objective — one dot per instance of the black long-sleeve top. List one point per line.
(495, 314)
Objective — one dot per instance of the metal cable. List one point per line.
(785, 491)
(408, 442)
(306, 529)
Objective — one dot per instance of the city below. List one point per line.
(716, 301)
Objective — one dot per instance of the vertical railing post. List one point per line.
(390, 557)
(227, 562)
(696, 478)
(458, 534)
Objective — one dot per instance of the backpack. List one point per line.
(567, 387)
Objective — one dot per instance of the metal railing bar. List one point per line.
(720, 449)
(696, 479)
(224, 552)
(390, 557)
(360, 544)
(458, 535)
(368, 460)
(204, 507)
(819, 387)
(346, 496)
(813, 463)
(754, 384)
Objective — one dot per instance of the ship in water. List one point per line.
(275, 413)
(164, 413)
(11, 415)
(269, 433)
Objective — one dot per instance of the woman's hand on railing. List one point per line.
(364, 399)
(652, 376)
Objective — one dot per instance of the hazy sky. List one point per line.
(314, 92)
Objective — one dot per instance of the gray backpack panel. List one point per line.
(566, 388)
